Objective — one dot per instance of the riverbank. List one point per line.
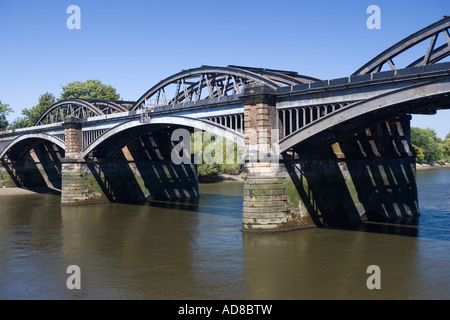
(221, 178)
(15, 191)
(431, 165)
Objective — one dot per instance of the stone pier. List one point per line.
(74, 169)
(265, 206)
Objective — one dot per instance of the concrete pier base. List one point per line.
(79, 184)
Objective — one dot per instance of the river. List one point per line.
(168, 251)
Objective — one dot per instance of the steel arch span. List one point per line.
(178, 121)
(80, 108)
(432, 54)
(363, 114)
(33, 136)
(210, 82)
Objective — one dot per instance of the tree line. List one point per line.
(429, 147)
(90, 89)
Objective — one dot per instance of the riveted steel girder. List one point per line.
(216, 81)
(431, 56)
(80, 108)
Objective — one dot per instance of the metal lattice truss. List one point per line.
(432, 55)
(81, 109)
(211, 82)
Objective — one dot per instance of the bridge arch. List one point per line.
(360, 115)
(189, 85)
(180, 121)
(431, 56)
(80, 108)
(33, 136)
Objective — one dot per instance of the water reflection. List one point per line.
(327, 264)
(197, 251)
(30, 243)
(136, 249)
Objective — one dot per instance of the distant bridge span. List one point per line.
(34, 138)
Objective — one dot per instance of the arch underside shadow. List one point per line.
(133, 162)
(366, 176)
(118, 136)
(135, 165)
(34, 162)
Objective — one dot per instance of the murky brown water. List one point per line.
(166, 251)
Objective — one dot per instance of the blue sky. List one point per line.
(131, 45)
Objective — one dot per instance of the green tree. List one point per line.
(45, 101)
(4, 111)
(446, 145)
(420, 155)
(21, 122)
(217, 164)
(91, 89)
(427, 140)
(32, 115)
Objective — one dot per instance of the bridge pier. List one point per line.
(74, 169)
(265, 204)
